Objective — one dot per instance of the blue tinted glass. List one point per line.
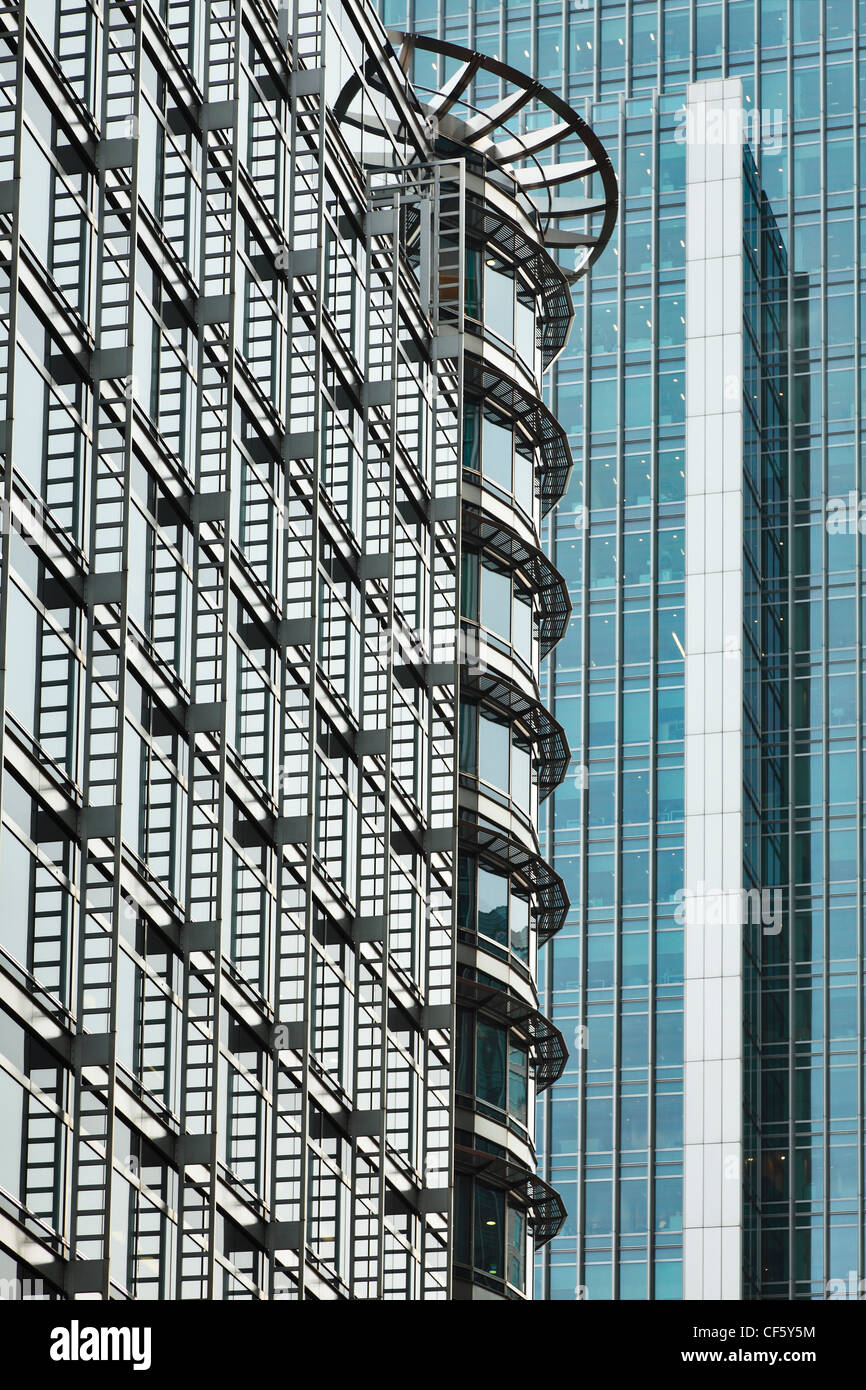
(633, 1118)
(636, 636)
(670, 713)
(638, 401)
(638, 246)
(601, 798)
(602, 482)
(668, 1280)
(635, 958)
(602, 715)
(635, 878)
(635, 716)
(670, 794)
(709, 30)
(741, 26)
(669, 1121)
(602, 560)
(602, 640)
(807, 92)
(637, 557)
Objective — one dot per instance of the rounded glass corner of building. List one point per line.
(500, 306)
(273, 745)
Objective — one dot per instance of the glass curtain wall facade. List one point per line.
(272, 606)
(612, 1132)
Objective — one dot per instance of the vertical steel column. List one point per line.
(448, 267)
(376, 650)
(106, 594)
(381, 388)
(281, 1185)
(198, 1145)
(301, 449)
(75, 49)
(11, 106)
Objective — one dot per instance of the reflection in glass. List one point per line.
(499, 304)
(496, 449)
(524, 337)
(496, 601)
(489, 1229)
(490, 1049)
(520, 775)
(493, 752)
(522, 625)
(493, 905)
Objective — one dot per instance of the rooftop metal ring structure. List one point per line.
(476, 130)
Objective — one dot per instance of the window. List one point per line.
(495, 448)
(498, 754)
(491, 1232)
(493, 743)
(490, 1051)
(518, 1082)
(492, 597)
(524, 327)
(493, 905)
(521, 773)
(507, 307)
(492, 1065)
(521, 619)
(489, 1252)
(496, 600)
(497, 444)
(519, 923)
(498, 303)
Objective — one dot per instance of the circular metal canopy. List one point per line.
(486, 131)
(548, 186)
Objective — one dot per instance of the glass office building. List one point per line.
(707, 1135)
(273, 603)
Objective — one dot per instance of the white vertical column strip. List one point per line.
(713, 873)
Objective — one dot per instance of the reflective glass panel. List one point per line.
(489, 1229)
(497, 445)
(490, 1049)
(499, 304)
(522, 626)
(493, 752)
(523, 480)
(496, 601)
(493, 905)
(520, 776)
